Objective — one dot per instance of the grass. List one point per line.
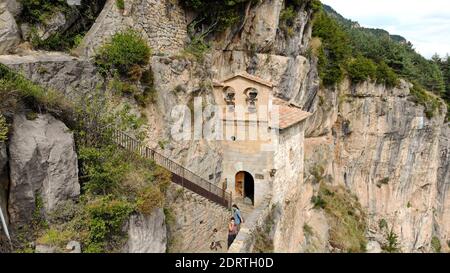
(346, 218)
(14, 85)
(422, 97)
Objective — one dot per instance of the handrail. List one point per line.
(180, 175)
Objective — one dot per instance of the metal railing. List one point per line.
(180, 175)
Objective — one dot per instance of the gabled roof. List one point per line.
(247, 76)
(289, 114)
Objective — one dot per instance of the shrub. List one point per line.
(120, 4)
(38, 11)
(436, 244)
(346, 218)
(125, 50)
(54, 237)
(106, 218)
(361, 69)
(3, 129)
(102, 168)
(420, 96)
(287, 17)
(149, 199)
(391, 245)
(386, 75)
(15, 85)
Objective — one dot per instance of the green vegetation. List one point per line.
(56, 42)
(120, 4)
(290, 12)
(346, 218)
(382, 182)
(126, 53)
(3, 129)
(114, 183)
(444, 65)
(436, 244)
(361, 69)
(38, 11)
(379, 57)
(334, 50)
(307, 230)
(421, 97)
(15, 88)
(391, 238)
(125, 60)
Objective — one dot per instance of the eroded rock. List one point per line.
(9, 32)
(43, 166)
(147, 233)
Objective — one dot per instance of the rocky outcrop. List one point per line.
(385, 151)
(72, 76)
(43, 166)
(9, 31)
(443, 189)
(147, 233)
(14, 6)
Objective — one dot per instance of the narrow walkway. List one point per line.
(252, 217)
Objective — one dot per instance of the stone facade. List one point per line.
(161, 22)
(194, 219)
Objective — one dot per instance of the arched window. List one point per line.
(252, 95)
(229, 97)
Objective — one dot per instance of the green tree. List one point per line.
(361, 69)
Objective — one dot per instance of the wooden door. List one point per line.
(239, 184)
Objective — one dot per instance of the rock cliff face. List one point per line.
(384, 149)
(43, 166)
(147, 234)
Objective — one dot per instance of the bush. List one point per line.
(361, 69)
(386, 75)
(102, 168)
(106, 218)
(3, 129)
(120, 4)
(54, 237)
(38, 11)
(421, 97)
(125, 50)
(346, 218)
(149, 199)
(436, 244)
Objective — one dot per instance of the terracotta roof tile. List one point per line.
(288, 114)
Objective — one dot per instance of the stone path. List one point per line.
(252, 215)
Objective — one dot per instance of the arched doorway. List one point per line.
(244, 185)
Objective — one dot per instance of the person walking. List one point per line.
(232, 231)
(237, 215)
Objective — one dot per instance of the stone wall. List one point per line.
(161, 22)
(192, 221)
(290, 197)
